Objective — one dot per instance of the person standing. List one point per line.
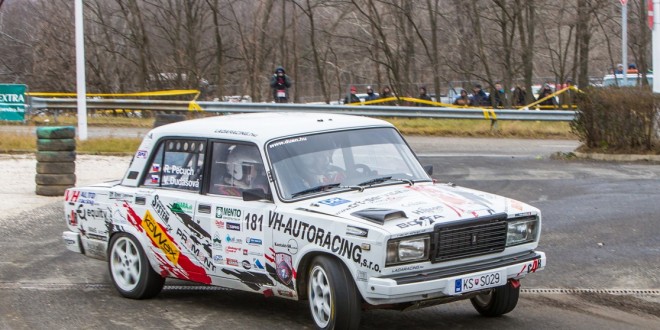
(519, 95)
(497, 96)
(387, 93)
(423, 96)
(547, 90)
(370, 94)
(479, 97)
(463, 100)
(352, 98)
(280, 84)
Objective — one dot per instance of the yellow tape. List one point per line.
(551, 95)
(489, 114)
(154, 93)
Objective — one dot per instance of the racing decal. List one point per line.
(234, 132)
(159, 237)
(389, 197)
(255, 281)
(188, 221)
(284, 268)
(181, 207)
(530, 267)
(459, 202)
(179, 176)
(228, 213)
(77, 196)
(336, 244)
(254, 222)
(422, 221)
(291, 246)
(160, 209)
(141, 154)
(304, 231)
(284, 273)
(233, 226)
(191, 243)
(334, 201)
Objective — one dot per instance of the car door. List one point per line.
(237, 226)
(166, 203)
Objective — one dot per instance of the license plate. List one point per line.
(281, 94)
(480, 281)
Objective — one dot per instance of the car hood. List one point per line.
(405, 210)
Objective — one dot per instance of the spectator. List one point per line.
(619, 69)
(519, 96)
(352, 98)
(423, 96)
(387, 93)
(370, 94)
(497, 96)
(567, 97)
(547, 90)
(463, 100)
(280, 84)
(479, 97)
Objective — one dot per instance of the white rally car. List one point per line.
(332, 209)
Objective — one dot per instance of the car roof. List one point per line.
(264, 126)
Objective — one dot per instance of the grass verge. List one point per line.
(18, 143)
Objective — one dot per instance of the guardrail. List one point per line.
(366, 110)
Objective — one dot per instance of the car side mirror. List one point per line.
(256, 194)
(428, 169)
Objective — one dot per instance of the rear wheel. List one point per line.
(497, 301)
(130, 271)
(333, 298)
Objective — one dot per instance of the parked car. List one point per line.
(633, 79)
(332, 209)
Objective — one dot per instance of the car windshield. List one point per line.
(355, 159)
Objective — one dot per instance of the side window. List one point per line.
(178, 164)
(236, 167)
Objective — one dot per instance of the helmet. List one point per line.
(280, 69)
(241, 161)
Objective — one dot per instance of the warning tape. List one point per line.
(192, 106)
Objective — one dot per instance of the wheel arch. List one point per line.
(304, 266)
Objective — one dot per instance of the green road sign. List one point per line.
(12, 102)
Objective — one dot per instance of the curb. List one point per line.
(618, 158)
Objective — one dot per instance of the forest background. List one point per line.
(231, 47)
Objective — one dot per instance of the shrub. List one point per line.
(617, 119)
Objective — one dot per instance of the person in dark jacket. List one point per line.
(518, 97)
(370, 94)
(423, 96)
(387, 93)
(280, 84)
(547, 90)
(353, 97)
(479, 97)
(497, 96)
(463, 100)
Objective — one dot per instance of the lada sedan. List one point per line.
(332, 209)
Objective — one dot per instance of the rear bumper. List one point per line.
(446, 283)
(72, 241)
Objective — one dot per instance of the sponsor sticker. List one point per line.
(233, 226)
(253, 241)
(284, 267)
(141, 154)
(227, 213)
(334, 201)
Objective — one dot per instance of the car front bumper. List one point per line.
(430, 284)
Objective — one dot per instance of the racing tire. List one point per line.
(130, 271)
(334, 301)
(55, 179)
(497, 301)
(56, 132)
(51, 190)
(56, 144)
(56, 168)
(56, 156)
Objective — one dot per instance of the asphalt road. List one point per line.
(600, 233)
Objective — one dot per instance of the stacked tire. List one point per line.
(56, 160)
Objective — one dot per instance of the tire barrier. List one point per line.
(56, 156)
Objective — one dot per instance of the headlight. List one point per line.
(407, 250)
(522, 231)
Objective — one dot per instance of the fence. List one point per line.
(40, 103)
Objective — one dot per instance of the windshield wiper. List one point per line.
(383, 179)
(320, 188)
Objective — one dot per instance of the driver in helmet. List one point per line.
(245, 169)
(318, 169)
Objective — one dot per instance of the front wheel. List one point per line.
(130, 270)
(497, 301)
(333, 298)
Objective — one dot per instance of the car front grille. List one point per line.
(470, 238)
